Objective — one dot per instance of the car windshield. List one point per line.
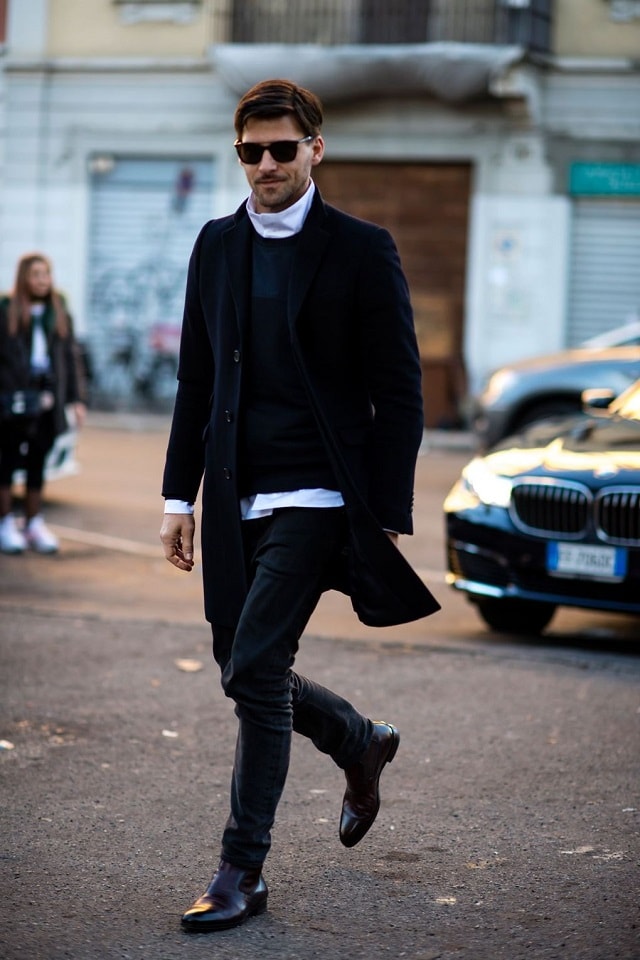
(628, 335)
(627, 405)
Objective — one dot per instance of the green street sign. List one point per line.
(604, 179)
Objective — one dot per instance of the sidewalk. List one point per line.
(508, 828)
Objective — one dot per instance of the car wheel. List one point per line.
(547, 410)
(524, 617)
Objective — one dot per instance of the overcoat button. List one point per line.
(236, 356)
(227, 473)
(228, 416)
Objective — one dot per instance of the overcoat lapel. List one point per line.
(237, 246)
(309, 251)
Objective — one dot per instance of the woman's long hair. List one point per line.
(19, 312)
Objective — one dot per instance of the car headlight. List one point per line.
(498, 384)
(489, 487)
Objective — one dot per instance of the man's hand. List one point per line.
(176, 534)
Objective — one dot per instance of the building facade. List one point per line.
(499, 140)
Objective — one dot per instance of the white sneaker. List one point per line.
(12, 539)
(39, 537)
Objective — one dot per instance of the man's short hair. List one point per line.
(276, 98)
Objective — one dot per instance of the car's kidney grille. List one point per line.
(570, 510)
(551, 509)
(618, 516)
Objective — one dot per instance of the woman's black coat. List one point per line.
(67, 383)
(353, 340)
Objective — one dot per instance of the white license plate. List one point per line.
(577, 559)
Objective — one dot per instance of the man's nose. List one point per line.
(266, 161)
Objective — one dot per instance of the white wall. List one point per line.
(54, 123)
(517, 279)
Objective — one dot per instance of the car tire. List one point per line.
(523, 617)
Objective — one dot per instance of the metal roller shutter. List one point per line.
(145, 216)
(604, 290)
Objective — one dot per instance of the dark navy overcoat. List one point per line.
(353, 339)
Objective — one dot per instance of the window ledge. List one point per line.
(622, 11)
(157, 11)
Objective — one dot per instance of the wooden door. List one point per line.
(425, 206)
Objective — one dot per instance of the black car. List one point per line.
(551, 517)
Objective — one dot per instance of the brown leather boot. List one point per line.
(232, 896)
(362, 797)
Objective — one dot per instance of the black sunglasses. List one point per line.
(282, 151)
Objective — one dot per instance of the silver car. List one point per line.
(545, 387)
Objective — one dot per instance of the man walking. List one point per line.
(299, 409)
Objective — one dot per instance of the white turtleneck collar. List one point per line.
(286, 223)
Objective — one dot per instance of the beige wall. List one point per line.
(89, 28)
(584, 28)
(77, 28)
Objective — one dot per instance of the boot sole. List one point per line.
(210, 926)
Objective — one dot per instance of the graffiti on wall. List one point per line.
(135, 332)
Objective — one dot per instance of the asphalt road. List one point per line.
(509, 825)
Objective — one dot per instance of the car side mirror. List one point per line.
(596, 399)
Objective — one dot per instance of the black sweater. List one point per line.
(280, 444)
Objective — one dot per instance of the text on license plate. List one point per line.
(599, 563)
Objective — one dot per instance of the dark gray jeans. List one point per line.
(288, 556)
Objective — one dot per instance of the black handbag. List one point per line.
(21, 405)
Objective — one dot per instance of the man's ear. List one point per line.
(318, 151)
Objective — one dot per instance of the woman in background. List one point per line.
(38, 355)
